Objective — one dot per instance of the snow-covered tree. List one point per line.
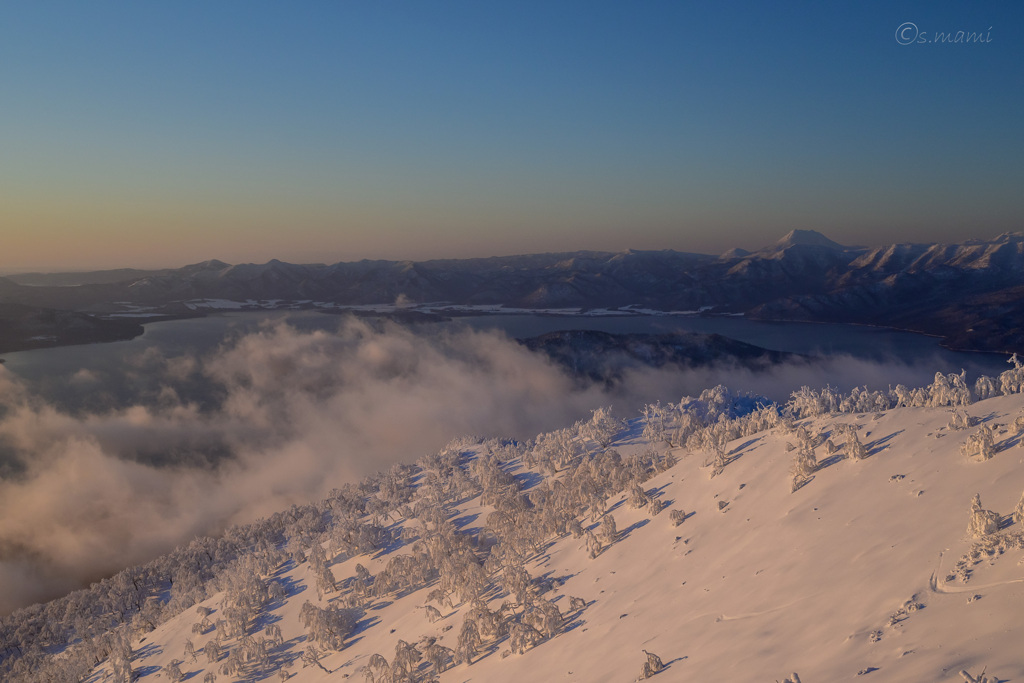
(1018, 512)
(609, 532)
(804, 465)
(173, 671)
(212, 651)
(1012, 381)
(985, 387)
(602, 427)
(439, 656)
(469, 642)
(982, 522)
(328, 627)
(522, 637)
(980, 445)
(652, 666)
(406, 658)
(856, 450)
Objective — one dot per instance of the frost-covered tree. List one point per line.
(982, 522)
(469, 642)
(609, 532)
(961, 420)
(439, 656)
(949, 390)
(1018, 512)
(544, 616)
(655, 420)
(980, 445)
(804, 465)
(1012, 381)
(980, 678)
(652, 666)
(985, 387)
(855, 449)
(311, 657)
(273, 632)
(522, 637)
(677, 517)
(602, 427)
(406, 658)
(328, 627)
(212, 650)
(173, 671)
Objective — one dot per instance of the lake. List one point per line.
(50, 372)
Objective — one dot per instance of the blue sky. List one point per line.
(158, 133)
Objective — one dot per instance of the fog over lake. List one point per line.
(112, 454)
(49, 371)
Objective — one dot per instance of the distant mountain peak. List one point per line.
(807, 237)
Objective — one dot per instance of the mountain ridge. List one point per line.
(804, 276)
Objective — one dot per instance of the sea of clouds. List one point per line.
(281, 416)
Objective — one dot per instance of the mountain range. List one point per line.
(969, 293)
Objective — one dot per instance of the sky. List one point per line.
(158, 134)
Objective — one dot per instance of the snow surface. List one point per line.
(850, 577)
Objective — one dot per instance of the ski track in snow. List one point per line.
(942, 587)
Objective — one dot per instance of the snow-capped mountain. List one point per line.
(967, 293)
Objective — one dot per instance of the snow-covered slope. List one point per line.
(864, 572)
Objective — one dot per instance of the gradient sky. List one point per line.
(163, 133)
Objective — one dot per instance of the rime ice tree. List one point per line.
(609, 532)
(522, 637)
(329, 627)
(804, 465)
(311, 657)
(544, 616)
(961, 420)
(980, 445)
(212, 651)
(857, 450)
(1012, 381)
(173, 671)
(406, 658)
(439, 656)
(654, 420)
(469, 642)
(602, 427)
(652, 666)
(985, 387)
(982, 522)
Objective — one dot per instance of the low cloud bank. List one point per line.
(280, 417)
